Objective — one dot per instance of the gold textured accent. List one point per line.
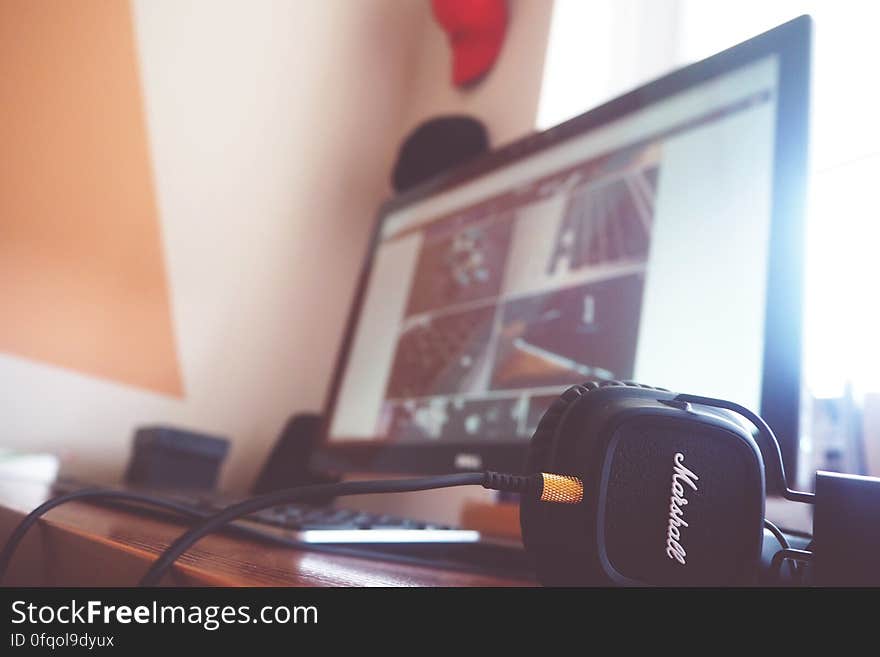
(562, 489)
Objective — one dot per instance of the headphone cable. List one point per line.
(546, 487)
(89, 493)
(560, 489)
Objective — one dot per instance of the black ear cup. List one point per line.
(539, 455)
(560, 537)
(541, 446)
(539, 522)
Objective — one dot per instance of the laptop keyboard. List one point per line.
(304, 518)
(291, 517)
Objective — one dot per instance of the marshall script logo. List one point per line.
(680, 475)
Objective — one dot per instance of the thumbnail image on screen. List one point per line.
(526, 293)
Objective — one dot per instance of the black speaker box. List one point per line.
(168, 457)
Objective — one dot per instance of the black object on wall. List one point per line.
(436, 145)
(288, 462)
(167, 457)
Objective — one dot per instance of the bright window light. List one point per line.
(601, 48)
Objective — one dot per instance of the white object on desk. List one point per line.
(27, 466)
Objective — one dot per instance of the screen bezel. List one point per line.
(781, 376)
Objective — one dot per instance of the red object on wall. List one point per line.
(476, 31)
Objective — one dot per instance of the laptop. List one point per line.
(656, 238)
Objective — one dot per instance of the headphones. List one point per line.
(674, 489)
(624, 484)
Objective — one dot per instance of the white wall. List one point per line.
(599, 49)
(272, 126)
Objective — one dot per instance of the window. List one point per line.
(601, 48)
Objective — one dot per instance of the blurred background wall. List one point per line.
(206, 283)
(267, 132)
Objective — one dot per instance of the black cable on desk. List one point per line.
(302, 493)
(552, 488)
(560, 489)
(143, 501)
(88, 493)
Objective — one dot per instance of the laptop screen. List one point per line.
(616, 255)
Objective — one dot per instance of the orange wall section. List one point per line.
(82, 274)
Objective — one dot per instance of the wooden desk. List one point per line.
(79, 544)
